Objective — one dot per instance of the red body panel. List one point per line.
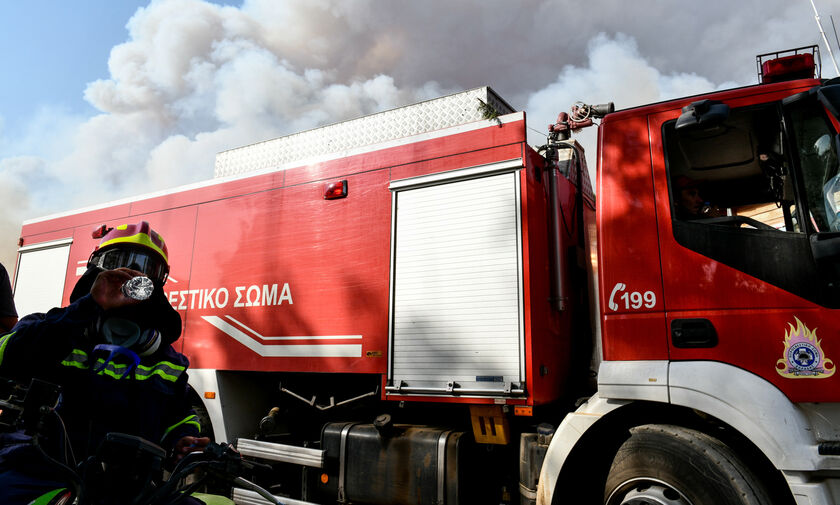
(54, 226)
(332, 254)
(628, 248)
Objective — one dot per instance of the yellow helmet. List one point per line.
(135, 246)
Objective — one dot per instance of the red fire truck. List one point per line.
(418, 307)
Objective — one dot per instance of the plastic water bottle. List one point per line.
(138, 288)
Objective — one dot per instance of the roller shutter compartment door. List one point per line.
(40, 276)
(456, 324)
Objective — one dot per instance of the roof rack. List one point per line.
(799, 63)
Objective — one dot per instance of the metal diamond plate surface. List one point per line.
(423, 117)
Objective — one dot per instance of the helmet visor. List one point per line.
(135, 259)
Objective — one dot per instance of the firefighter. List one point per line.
(689, 202)
(113, 358)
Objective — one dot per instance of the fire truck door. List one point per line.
(40, 275)
(740, 204)
(456, 309)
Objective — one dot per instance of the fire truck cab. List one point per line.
(718, 273)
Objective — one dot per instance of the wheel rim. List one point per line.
(646, 491)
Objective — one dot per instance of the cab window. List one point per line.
(735, 174)
(733, 195)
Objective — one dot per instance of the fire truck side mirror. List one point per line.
(702, 114)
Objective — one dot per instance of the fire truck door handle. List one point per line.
(693, 333)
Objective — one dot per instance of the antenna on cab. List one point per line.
(825, 39)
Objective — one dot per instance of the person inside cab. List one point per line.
(690, 204)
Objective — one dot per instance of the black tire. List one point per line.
(679, 466)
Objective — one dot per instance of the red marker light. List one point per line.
(335, 190)
(100, 231)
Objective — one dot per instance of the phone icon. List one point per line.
(616, 289)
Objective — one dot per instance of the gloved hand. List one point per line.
(107, 288)
(189, 444)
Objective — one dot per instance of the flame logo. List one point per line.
(803, 355)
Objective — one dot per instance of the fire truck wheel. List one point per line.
(671, 465)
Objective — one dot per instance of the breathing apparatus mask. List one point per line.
(124, 340)
(121, 331)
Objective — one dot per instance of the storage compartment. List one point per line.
(456, 307)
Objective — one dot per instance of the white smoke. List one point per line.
(615, 72)
(195, 78)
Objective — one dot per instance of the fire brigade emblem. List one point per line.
(803, 356)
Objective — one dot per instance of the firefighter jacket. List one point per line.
(98, 396)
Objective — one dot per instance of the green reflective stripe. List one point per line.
(164, 369)
(212, 499)
(75, 364)
(3, 341)
(191, 419)
(164, 365)
(163, 375)
(46, 499)
(167, 370)
(111, 369)
(108, 370)
(77, 358)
